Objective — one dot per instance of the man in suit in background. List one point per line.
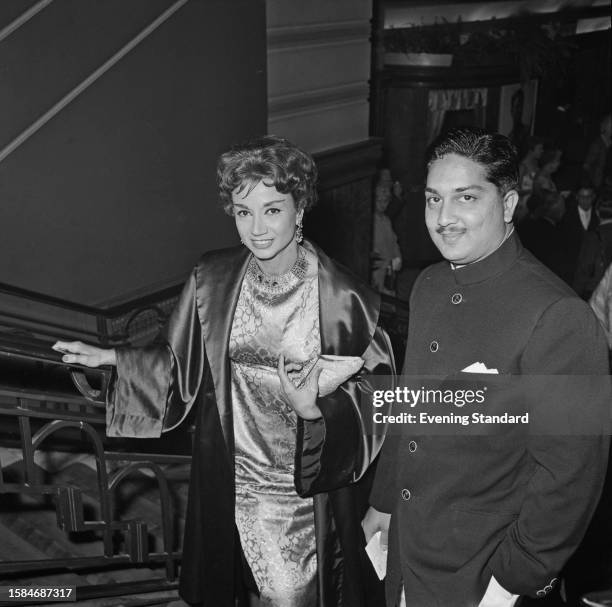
(481, 520)
(597, 161)
(579, 224)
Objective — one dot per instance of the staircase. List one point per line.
(78, 509)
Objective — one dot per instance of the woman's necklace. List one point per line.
(277, 283)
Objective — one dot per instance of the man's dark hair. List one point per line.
(494, 152)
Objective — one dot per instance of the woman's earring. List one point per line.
(298, 232)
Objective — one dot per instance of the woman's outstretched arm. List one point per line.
(85, 354)
(155, 385)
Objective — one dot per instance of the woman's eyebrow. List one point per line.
(267, 204)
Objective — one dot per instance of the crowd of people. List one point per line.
(570, 230)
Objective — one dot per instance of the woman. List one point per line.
(549, 164)
(386, 254)
(243, 345)
(528, 169)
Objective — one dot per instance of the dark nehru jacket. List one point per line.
(513, 506)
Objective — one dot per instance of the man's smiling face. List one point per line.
(465, 213)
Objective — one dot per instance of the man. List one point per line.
(597, 159)
(480, 520)
(528, 169)
(520, 132)
(581, 216)
(583, 247)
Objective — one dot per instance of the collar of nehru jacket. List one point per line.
(496, 263)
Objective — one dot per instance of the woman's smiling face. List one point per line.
(266, 220)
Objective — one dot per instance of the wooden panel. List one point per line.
(406, 132)
(342, 221)
(322, 127)
(318, 71)
(294, 70)
(291, 12)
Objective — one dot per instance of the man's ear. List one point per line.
(511, 199)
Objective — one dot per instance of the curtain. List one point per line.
(442, 101)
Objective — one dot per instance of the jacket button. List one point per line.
(406, 494)
(457, 298)
(412, 446)
(433, 346)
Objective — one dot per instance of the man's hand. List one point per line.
(302, 398)
(376, 521)
(84, 354)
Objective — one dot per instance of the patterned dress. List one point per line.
(276, 526)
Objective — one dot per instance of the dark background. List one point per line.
(115, 196)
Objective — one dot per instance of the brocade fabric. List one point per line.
(187, 373)
(276, 526)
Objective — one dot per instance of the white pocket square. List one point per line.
(479, 368)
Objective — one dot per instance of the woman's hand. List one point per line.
(302, 398)
(84, 354)
(376, 521)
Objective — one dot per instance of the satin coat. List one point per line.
(157, 385)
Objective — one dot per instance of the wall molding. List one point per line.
(348, 163)
(284, 38)
(304, 102)
(315, 110)
(35, 126)
(14, 25)
(342, 221)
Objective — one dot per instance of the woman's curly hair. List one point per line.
(273, 160)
